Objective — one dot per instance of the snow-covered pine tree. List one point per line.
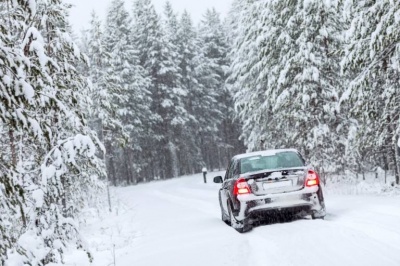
(234, 21)
(373, 54)
(171, 25)
(140, 117)
(69, 167)
(113, 130)
(286, 77)
(129, 100)
(12, 198)
(201, 102)
(54, 165)
(214, 47)
(246, 26)
(103, 113)
(158, 56)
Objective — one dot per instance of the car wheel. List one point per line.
(317, 217)
(318, 214)
(224, 218)
(240, 226)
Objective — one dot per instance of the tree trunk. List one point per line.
(174, 159)
(12, 146)
(110, 164)
(128, 173)
(64, 196)
(397, 160)
(112, 171)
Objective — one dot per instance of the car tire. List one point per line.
(319, 214)
(224, 218)
(240, 226)
(317, 217)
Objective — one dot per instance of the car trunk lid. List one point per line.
(277, 180)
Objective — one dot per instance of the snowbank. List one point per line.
(351, 185)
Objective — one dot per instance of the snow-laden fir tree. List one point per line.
(204, 117)
(373, 54)
(122, 91)
(158, 56)
(234, 21)
(286, 77)
(102, 80)
(50, 166)
(171, 25)
(189, 156)
(104, 116)
(214, 47)
(12, 198)
(139, 117)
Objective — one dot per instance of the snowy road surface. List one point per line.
(177, 222)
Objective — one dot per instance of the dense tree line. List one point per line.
(321, 76)
(145, 99)
(159, 85)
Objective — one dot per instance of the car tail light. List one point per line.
(312, 179)
(241, 187)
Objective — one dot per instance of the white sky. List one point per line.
(80, 13)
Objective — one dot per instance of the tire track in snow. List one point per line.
(200, 205)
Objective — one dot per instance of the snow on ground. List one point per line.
(177, 222)
(350, 184)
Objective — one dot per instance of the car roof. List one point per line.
(263, 153)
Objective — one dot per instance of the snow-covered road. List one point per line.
(177, 222)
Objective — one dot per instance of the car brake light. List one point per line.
(312, 179)
(241, 187)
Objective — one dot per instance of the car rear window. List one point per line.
(276, 161)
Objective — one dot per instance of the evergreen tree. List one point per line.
(12, 119)
(219, 147)
(372, 53)
(201, 101)
(158, 56)
(128, 91)
(53, 165)
(287, 77)
(171, 24)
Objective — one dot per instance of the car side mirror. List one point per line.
(218, 180)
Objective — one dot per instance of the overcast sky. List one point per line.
(80, 13)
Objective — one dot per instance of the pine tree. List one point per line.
(171, 24)
(201, 102)
(53, 166)
(158, 56)
(248, 90)
(128, 91)
(12, 198)
(372, 54)
(287, 77)
(214, 47)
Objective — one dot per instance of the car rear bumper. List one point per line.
(308, 200)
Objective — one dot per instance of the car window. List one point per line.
(236, 168)
(229, 171)
(276, 161)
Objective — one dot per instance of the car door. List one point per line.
(225, 185)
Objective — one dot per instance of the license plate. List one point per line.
(287, 183)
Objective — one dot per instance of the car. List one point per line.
(261, 184)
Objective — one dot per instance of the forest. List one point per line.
(142, 96)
